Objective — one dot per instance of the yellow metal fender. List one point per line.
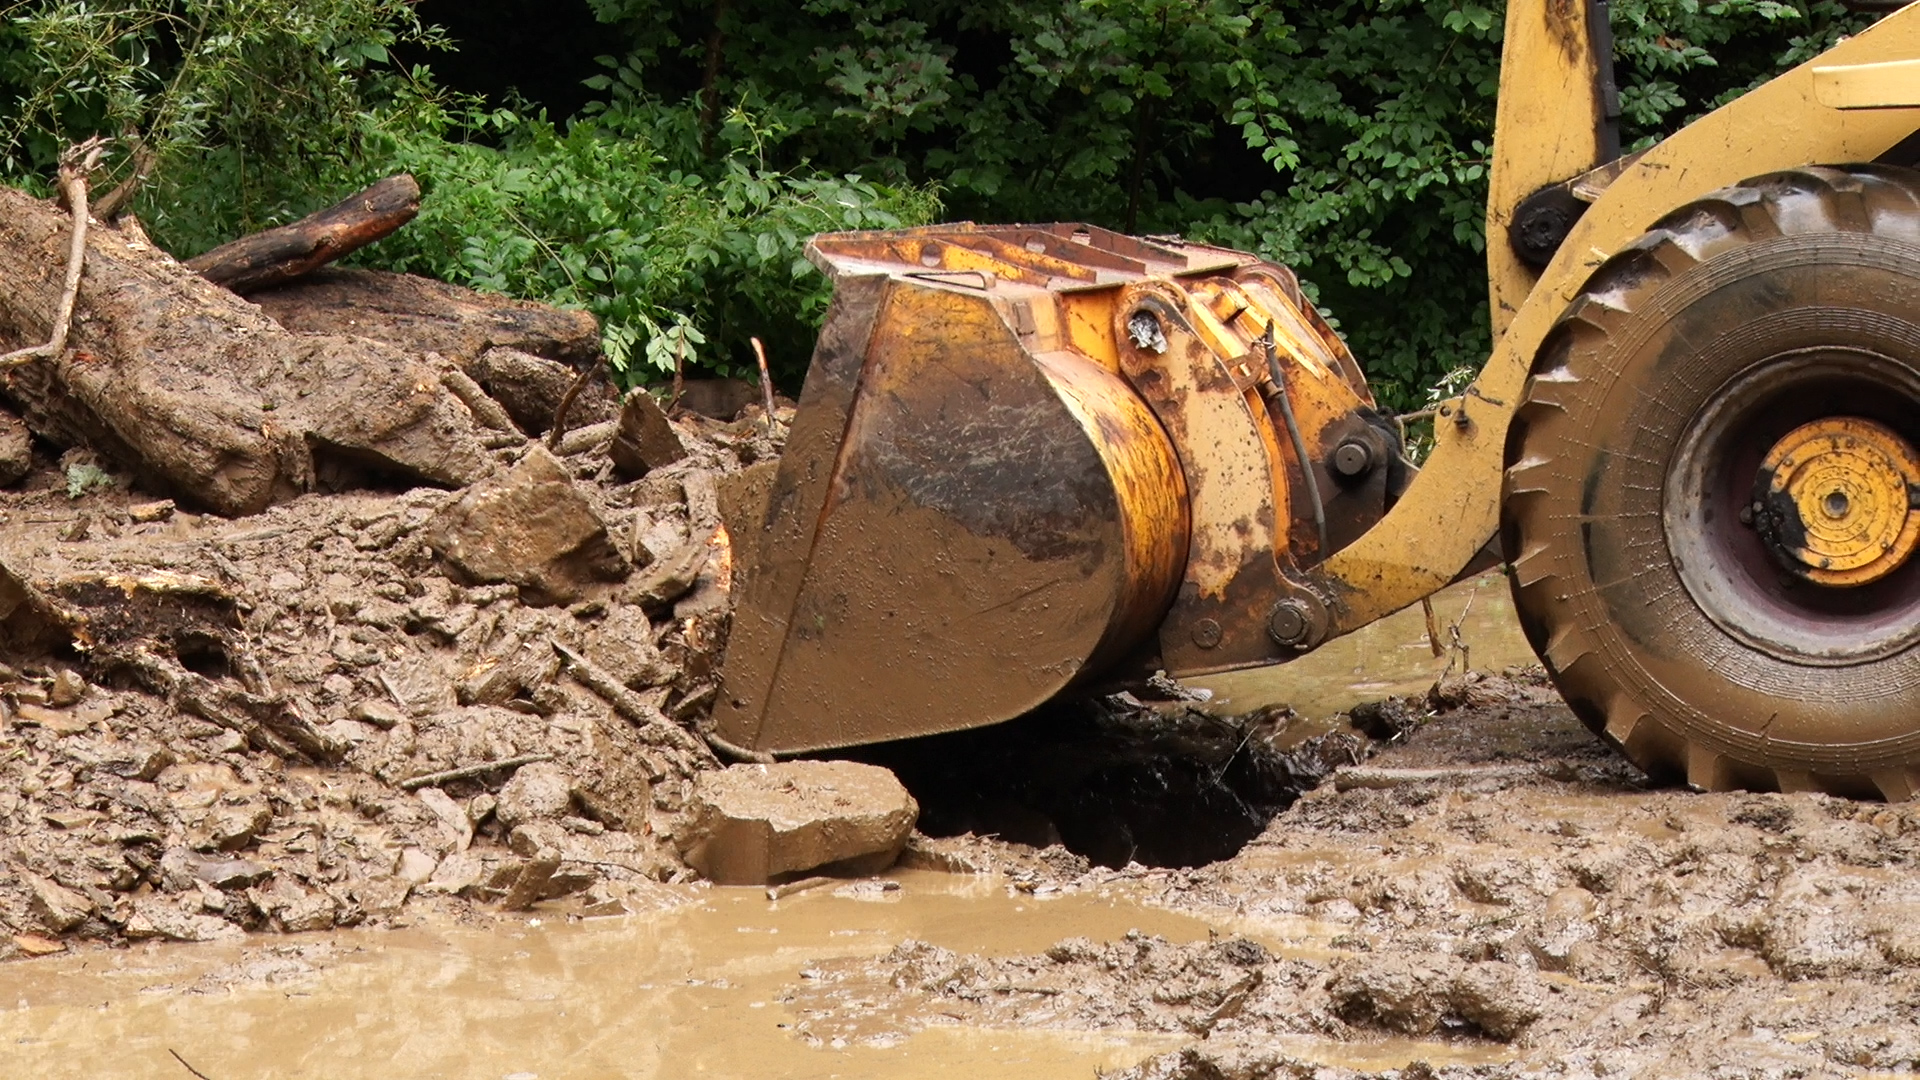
(1453, 508)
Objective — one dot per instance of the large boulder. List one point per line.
(529, 526)
(750, 823)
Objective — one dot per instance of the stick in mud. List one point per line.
(276, 256)
(558, 428)
(766, 381)
(465, 772)
(184, 1065)
(627, 703)
(781, 892)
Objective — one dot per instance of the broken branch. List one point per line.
(75, 165)
(468, 772)
(766, 381)
(276, 256)
(650, 720)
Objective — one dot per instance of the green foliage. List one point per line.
(259, 111)
(1347, 138)
(248, 97)
(677, 265)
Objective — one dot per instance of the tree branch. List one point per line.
(75, 165)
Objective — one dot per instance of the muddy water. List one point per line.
(702, 989)
(693, 991)
(1389, 657)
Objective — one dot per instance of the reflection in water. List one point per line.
(1390, 657)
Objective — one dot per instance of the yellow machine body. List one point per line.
(1034, 458)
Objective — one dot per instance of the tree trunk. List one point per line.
(198, 392)
(423, 315)
(276, 256)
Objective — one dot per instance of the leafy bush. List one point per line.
(677, 265)
(1348, 139)
(228, 103)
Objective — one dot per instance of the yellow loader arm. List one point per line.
(1546, 116)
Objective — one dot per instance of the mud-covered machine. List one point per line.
(1034, 459)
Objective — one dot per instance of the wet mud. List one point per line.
(1465, 883)
(1498, 883)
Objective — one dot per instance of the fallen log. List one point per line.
(200, 394)
(422, 315)
(277, 256)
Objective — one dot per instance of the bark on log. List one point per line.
(422, 315)
(200, 394)
(276, 256)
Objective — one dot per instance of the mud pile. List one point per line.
(373, 695)
(1501, 890)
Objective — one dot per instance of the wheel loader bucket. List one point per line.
(976, 508)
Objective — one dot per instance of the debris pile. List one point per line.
(300, 621)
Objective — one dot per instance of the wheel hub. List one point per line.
(1834, 501)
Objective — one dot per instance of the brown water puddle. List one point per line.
(696, 990)
(1387, 658)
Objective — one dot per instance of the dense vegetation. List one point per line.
(661, 161)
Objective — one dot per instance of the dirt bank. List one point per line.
(311, 718)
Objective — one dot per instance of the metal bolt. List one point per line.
(1353, 458)
(1746, 515)
(1206, 633)
(1288, 623)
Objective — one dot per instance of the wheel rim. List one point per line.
(1789, 510)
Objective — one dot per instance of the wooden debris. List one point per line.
(468, 772)
(277, 256)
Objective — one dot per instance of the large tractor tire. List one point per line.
(1711, 486)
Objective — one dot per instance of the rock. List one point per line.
(503, 676)
(530, 883)
(414, 866)
(58, 908)
(182, 870)
(137, 761)
(381, 714)
(531, 388)
(16, 449)
(453, 817)
(622, 643)
(537, 792)
(748, 823)
(160, 917)
(456, 873)
(58, 721)
(294, 909)
(1396, 993)
(231, 828)
(671, 578)
(230, 874)
(148, 512)
(720, 399)
(1499, 999)
(32, 945)
(531, 527)
(645, 439)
